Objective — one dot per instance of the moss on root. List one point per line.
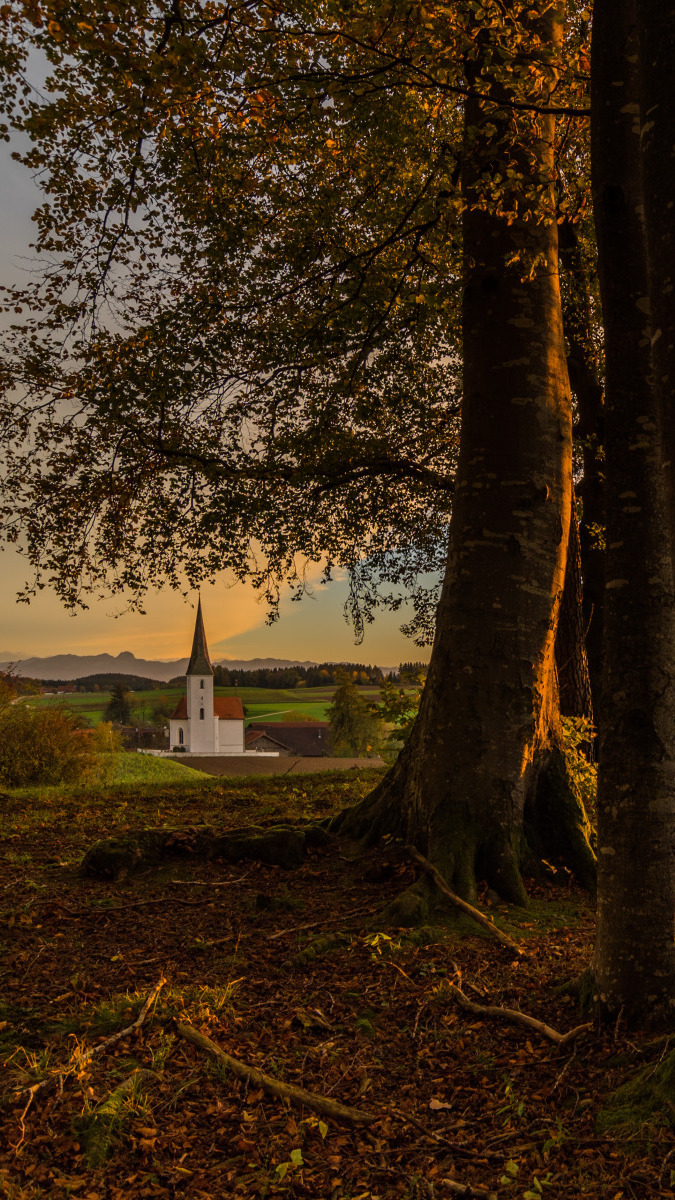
(409, 908)
(117, 858)
(646, 1102)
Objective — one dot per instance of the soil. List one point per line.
(234, 765)
(295, 973)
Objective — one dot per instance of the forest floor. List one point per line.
(295, 973)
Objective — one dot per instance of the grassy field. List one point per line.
(269, 704)
(128, 767)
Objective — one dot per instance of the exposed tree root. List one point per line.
(276, 1087)
(116, 858)
(472, 912)
(465, 838)
(515, 1017)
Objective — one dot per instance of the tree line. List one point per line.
(323, 674)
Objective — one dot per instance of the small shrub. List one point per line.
(578, 735)
(43, 746)
(105, 739)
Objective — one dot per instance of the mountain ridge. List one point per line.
(75, 666)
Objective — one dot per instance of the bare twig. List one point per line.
(434, 1137)
(103, 909)
(208, 883)
(46, 1085)
(276, 1087)
(515, 1017)
(463, 1189)
(472, 912)
(313, 924)
(124, 1033)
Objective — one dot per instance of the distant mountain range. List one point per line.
(75, 666)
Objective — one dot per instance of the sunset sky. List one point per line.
(314, 629)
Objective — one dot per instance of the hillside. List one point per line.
(68, 667)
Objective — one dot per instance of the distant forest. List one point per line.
(324, 674)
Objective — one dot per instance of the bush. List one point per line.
(43, 746)
(105, 739)
(578, 735)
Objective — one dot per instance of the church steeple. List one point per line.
(200, 663)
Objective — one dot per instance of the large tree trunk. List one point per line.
(584, 373)
(634, 963)
(656, 32)
(574, 679)
(483, 759)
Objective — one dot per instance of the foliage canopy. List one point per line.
(252, 231)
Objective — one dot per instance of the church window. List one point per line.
(201, 714)
(181, 737)
(201, 683)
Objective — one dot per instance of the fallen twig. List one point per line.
(208, 883)
(430, 1133)
(103, 909)
(472, 912)
(515, 1017)
(276, 1087)
(123, 1033)
(326, 921)
(464, 1189)
(46, 1085)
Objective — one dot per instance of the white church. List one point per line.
(202, 723)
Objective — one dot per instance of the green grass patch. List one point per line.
(128, 767)
(283, 711)
(643, 1105)
(57, 824)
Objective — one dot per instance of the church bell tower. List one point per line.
(199, 677)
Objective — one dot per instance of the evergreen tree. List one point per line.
(118, 708)
(355, 727)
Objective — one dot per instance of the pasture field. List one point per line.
(268, 704)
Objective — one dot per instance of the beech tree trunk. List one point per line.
(656, 32)
(574, 680)
(584, 374)
(483, 761)
(634, 962)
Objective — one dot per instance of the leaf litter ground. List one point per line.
(298, 974)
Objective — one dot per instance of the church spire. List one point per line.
(200, 663)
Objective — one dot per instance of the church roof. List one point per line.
(226, 708)
(200, 663)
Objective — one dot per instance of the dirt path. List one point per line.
(246, 765)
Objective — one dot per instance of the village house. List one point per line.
(302, 738)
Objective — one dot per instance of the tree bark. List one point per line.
(584, 374)
(656, 32)
(634, 961)
(574, 679)
(480, 761)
